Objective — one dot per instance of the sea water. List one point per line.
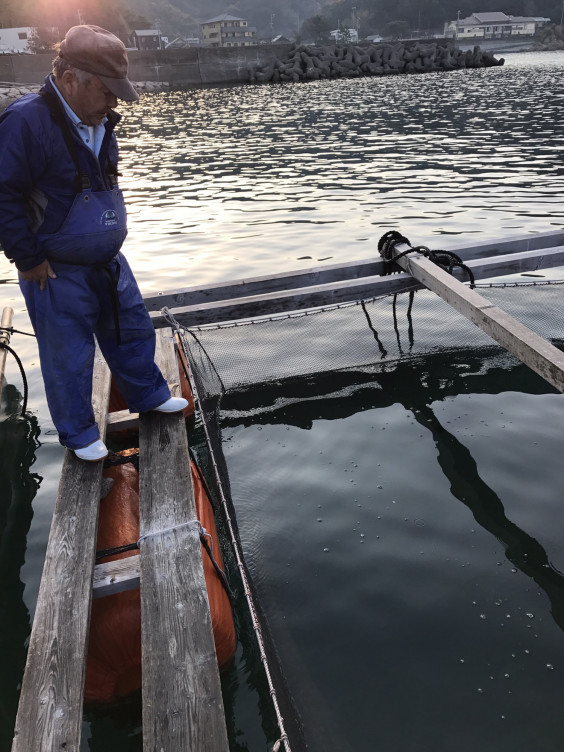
(405, 543)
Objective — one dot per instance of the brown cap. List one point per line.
(97, 51)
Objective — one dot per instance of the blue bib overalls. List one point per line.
(94, 293)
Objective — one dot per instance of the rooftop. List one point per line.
(224, 17)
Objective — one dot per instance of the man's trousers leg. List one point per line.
(63, 317)
(132, 362)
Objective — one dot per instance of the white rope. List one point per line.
(195, 524)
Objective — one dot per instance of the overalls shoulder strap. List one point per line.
(81, 180)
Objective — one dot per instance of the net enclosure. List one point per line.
(246, 369)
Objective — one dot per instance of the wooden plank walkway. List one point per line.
(50, 711)
(182, 703)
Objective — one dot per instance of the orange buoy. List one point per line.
(113, 668)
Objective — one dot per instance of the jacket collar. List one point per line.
(113, 117)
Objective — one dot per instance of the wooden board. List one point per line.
(50, 710)
(122, 420)
(533, 350)
(335, 274)
(116, 576)
(349, 290)
(182, 703)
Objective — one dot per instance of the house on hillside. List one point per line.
(15, 40)
(493, 25)
(228, 31)
(147, 39)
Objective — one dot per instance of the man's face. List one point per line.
(90, 101)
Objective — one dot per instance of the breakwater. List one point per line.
(207, 66)
(307, 63)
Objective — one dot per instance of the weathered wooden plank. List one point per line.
(6, 323)
(50, 710)
(335, 273)
(115, 576)
(515, 263)
(349, 290)
(122, 420)
(182, 703)
(533, 350)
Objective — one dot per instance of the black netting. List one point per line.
(396, 342)
(374, 333)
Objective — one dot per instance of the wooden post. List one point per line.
(50, 710)
(7, 314)
(182, 703)
(532, 349)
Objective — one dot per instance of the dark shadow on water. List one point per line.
(416, 384)
(18, 487)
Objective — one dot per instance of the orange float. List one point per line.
(113, 668)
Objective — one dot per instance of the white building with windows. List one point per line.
(15, 40)
(493, 25)
(349, 36)
(228, 31)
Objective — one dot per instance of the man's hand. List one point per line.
(39, 274)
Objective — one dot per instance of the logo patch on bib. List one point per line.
(109, 218)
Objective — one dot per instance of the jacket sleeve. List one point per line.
(22, 161)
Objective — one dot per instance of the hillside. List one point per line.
(183, 16)
(311, 19)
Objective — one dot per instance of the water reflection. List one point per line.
(372, 634)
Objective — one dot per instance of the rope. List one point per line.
(133, 546)
(11, 330)
(203, 534)
(4, 346)
(339, 306)
(383, 351)
(114, 459)
(447, 260)
(195, 524)
(283, 740)
(169, 317)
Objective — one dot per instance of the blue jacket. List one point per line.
(37, 175)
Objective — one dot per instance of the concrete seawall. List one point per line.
(195, 66)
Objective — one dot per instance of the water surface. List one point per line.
(391, 637)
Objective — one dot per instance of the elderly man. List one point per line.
(62, 222)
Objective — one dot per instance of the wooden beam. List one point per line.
(350, 290)
(50, 709)
(515, 263)
(6, 323)
(116, 576)
(182, 703)
(331, 274)
(533, 350)
(122, 420)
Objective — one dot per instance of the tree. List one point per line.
(396, 29)
(316, 28)
(43, 40)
